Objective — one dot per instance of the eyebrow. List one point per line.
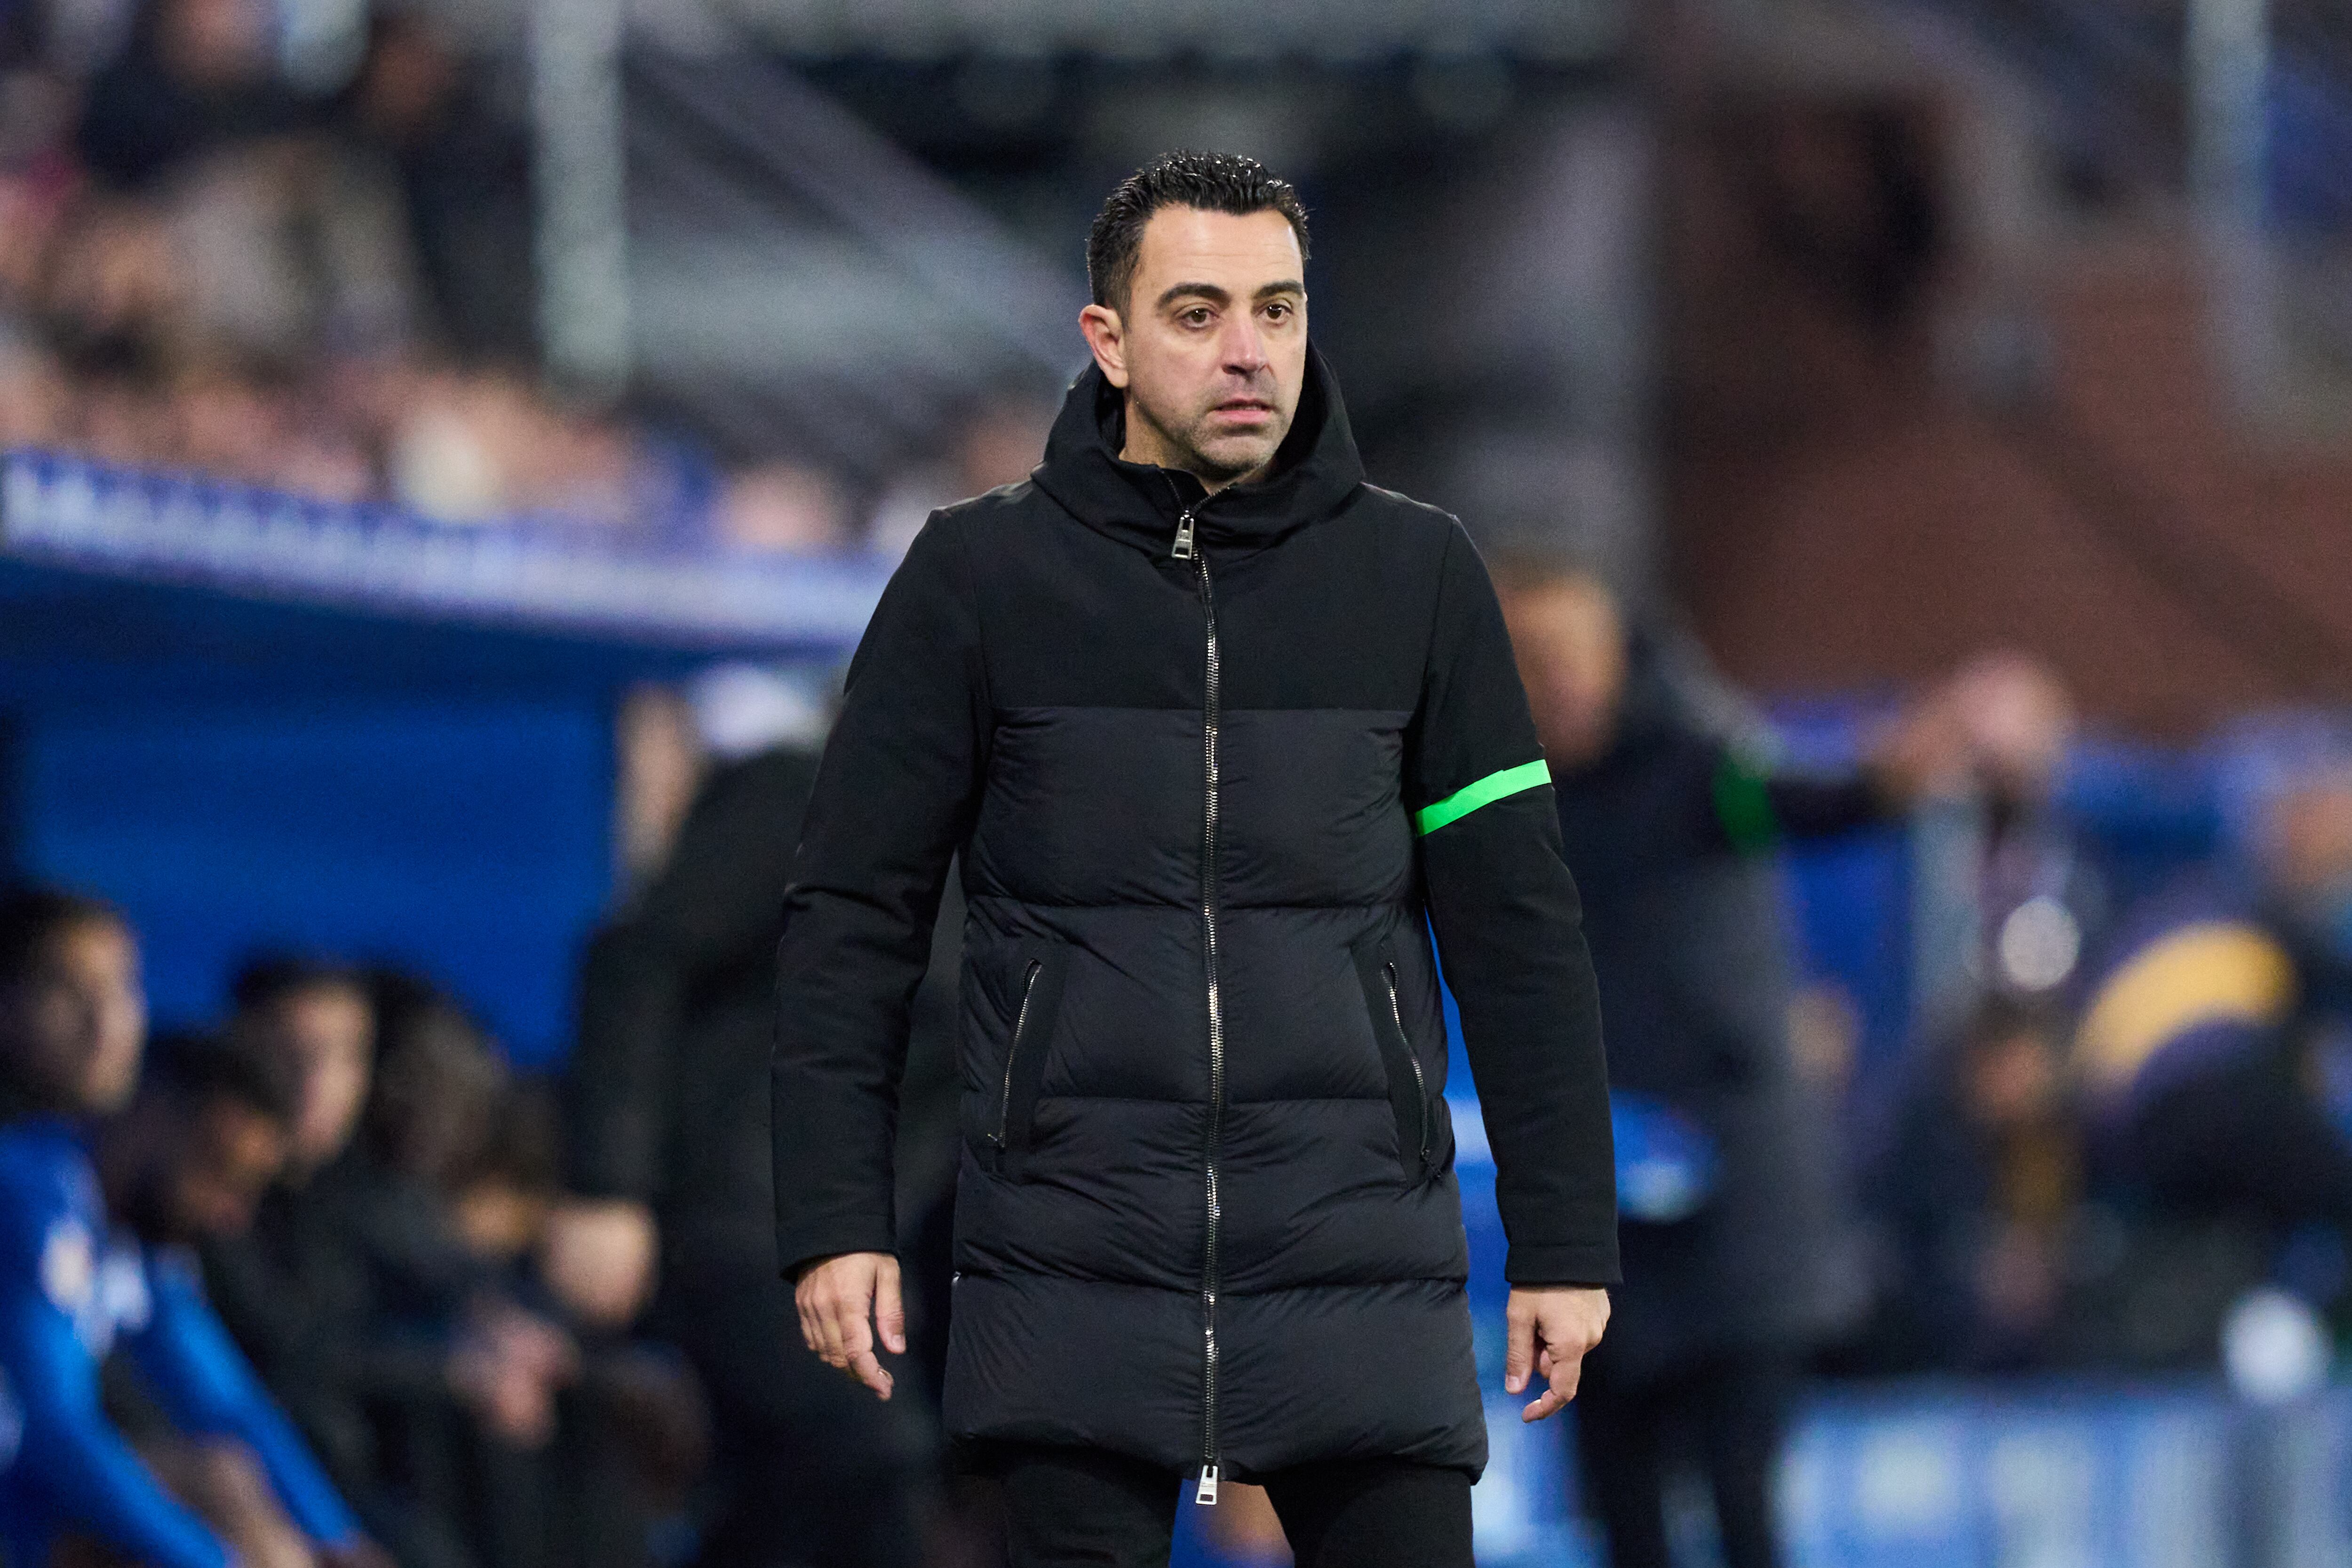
(1217, 295)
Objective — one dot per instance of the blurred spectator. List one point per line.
(207, 1132)
(1669, 816)
(292, 1287)
(781, 507)
(2208, 1038)
(464, 172)
(312, 291)
(355, 1292)
(1980, 1194)
(387, 1289)
(999, 444)
(197, 75)
(428, 1126)
(658, 763)
(670, 1136)
(92, 1252)
(73, 1011)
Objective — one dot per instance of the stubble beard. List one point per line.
(1191, 446)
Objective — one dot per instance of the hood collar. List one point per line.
(1315, 470)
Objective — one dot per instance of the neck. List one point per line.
(1145, 443)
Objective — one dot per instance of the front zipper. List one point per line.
(1206, 1490)
(1420, 1082)
(1013, 1054)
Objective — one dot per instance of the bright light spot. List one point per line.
(2040, 943)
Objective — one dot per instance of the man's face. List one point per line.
(72, 1031)
(1570, 647)
(328, 1031)
(227, 1157)
(1210, 344)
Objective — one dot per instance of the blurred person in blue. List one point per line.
(1671, 812)
(94, 1234)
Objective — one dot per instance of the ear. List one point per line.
(1107, 337)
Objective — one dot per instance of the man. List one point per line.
(676, 1016)
(94, 1251)
(1219, 729)
(317, 1019)
(1670, 818)
(297, 1287)
(2212, 1049)
(73, 1009)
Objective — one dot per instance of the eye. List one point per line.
(1197, 316)
(1278, 311)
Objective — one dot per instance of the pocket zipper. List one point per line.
(1020, 1028)
(1420, 1082)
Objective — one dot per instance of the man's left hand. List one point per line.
(1551, 1328)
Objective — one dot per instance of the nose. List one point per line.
(1244, 345)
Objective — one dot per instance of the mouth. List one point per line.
(1243, 408)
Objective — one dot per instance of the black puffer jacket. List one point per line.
(1209, 762)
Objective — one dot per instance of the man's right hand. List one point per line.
(836, 1299)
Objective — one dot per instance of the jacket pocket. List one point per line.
(1035, 999)
(1376, 970)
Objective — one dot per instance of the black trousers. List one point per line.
(1726, 1414)
(1065, 1507)
(812, 1470)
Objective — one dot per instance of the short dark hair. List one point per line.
(1212, 181)
(269, 978)
(33, 918)
(197, 1068)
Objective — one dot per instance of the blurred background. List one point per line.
(448, 449)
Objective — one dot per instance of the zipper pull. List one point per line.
(1184, 552)
(1206, 1494)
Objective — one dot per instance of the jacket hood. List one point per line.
(1314, 471)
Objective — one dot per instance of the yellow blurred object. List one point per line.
(2211, 972)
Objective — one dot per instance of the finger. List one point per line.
(1520, 1353)
(890, 1309)
(1561, 1389)
(831, 1330)
(871, 1372)
(804, 1301)
(857, 1347)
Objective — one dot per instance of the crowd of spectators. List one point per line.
(371, 1232)
(304, 263)
(2093, 1174)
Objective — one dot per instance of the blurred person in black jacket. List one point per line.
(290, 1286)
(668, 1136)
(428, 1387)
(1669, 816)
(1976, 1196)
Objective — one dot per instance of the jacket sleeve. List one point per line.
(712, 908)
(1705, 796)
(895, 797)
(72, 1468)
(1510, 937)
(210, 1389)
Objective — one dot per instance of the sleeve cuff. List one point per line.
(796, 1250)
(1589, 1264)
